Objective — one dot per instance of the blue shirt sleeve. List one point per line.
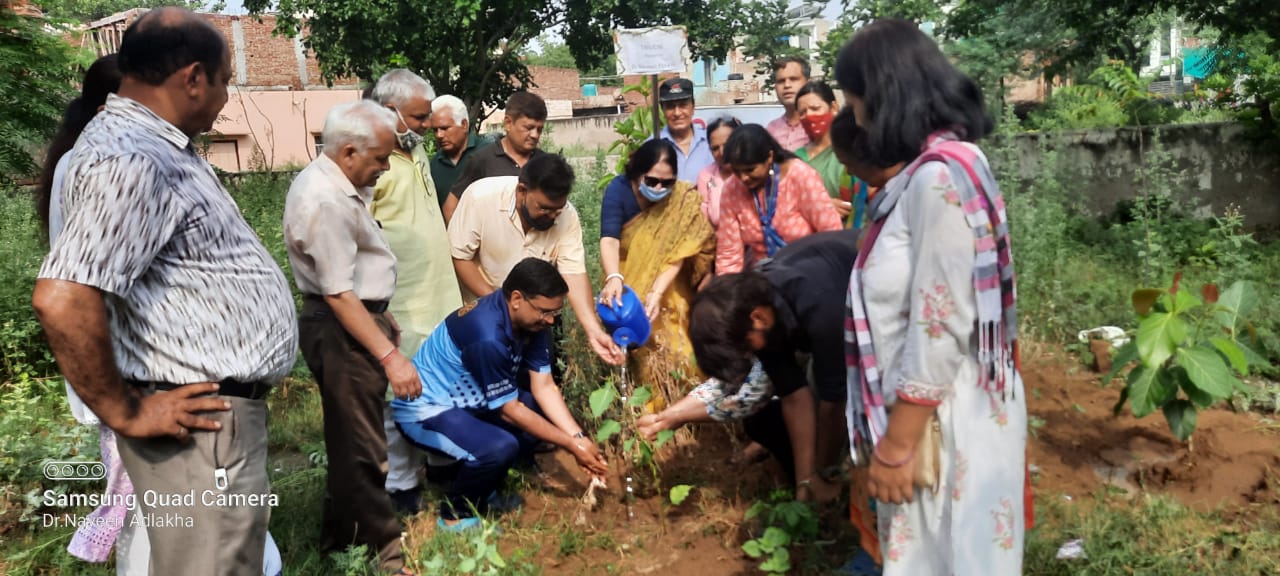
(489, 364)
(614, 207)
(537, 353)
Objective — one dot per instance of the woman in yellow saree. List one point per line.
(655, 238)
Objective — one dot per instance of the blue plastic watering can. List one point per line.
(626, 322)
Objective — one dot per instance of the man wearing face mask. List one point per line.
(405, 205)
(503, 220)
(347, 274)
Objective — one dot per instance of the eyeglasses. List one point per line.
(547, 313)
(652, 182)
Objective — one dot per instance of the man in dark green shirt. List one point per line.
(455, 141)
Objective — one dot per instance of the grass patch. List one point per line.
(1153, 536)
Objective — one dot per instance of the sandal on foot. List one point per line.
(464, 525)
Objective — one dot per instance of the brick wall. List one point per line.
(556, 83)
(269, 60)
(260, 59)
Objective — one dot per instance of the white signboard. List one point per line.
(650, 50)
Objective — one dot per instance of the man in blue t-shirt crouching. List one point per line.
(471, 408)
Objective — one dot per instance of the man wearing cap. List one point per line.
(693, 152)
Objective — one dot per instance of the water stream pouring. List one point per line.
(629, 326)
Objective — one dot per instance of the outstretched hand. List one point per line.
(589, 458)
(606, 348)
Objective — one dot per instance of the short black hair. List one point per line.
(534, 277)
(723, 121)
(817, 87)
(548, 173)
(720, 320)
(165, 40)
(648, 154)
(526, 105)
(751, 144)
(910, 90)
(782, 62)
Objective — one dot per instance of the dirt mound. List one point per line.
(1233, 459)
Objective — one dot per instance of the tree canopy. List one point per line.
(37, 72)
(474, 48)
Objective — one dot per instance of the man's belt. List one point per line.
(374, 306)
(227, 387)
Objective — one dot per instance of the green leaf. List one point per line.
(1233, 354)
(1234, 304)
(1158, 336)
(776, 537)
(639, 396)
(1207, 371)
(1182, 418)
(600, 400)
(679, 493)
(1124, 357)
(626, 446)
(664, 437)
(1184, 301)
(1199, 397)
(467, 566)
(778, 563)
(495, 558)
(1148, 389)
(752, 548)
(1255, 359)
(754, 510)
(607, 429)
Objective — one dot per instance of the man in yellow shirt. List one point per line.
(405, 205)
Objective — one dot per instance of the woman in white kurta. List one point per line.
(932, 325)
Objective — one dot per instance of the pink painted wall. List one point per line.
(271, 129)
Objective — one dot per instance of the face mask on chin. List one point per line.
(816, 125)
(408, 140)
(540, 224)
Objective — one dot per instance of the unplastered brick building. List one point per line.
(278, 99)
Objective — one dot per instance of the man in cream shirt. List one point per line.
(503, 220)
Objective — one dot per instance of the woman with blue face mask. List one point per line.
(655, 238)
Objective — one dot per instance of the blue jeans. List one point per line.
(485, 445)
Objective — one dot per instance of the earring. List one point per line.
(771, 171)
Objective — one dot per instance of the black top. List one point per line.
(810, 278)
(487, 162)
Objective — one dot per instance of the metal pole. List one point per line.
(653, 79)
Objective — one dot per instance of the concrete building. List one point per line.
(278, 100)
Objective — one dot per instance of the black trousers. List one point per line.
(353, 387)
(769, 429)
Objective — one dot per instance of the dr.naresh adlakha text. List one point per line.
(153, 499)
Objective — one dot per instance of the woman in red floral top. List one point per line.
(774, 198)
